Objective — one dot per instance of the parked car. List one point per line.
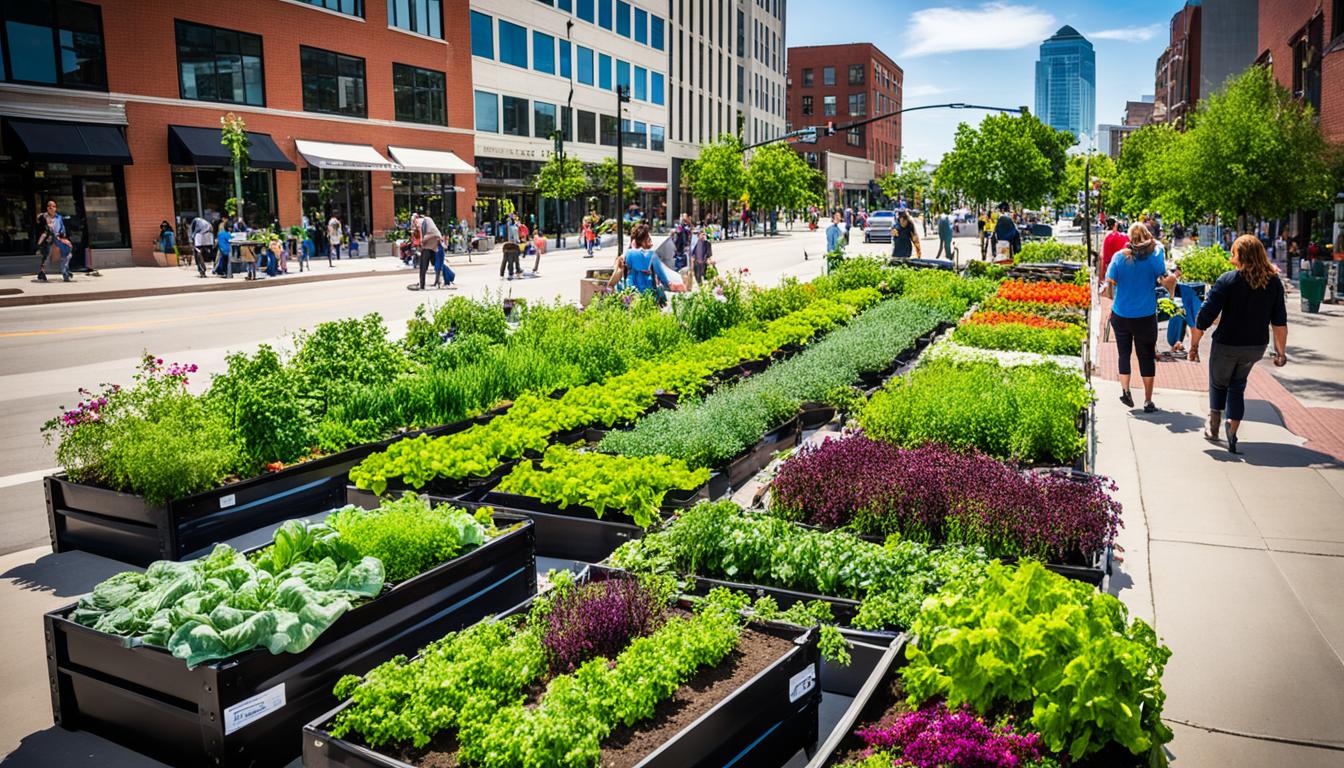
(880, 224)
(1037, 231)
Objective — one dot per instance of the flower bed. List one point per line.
(1020, 332)
(1051, 310)
(1050, 251)
(935, 495)
(1065, 294)
(1025, 413)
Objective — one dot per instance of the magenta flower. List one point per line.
(935, 737)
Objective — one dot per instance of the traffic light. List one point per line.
(830, 127)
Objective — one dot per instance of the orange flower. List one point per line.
(1021, 318)
(1049, 293)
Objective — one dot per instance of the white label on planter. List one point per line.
(802, 682)
(253, 708)
(227, 501)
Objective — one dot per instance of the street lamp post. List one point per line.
(622, 96)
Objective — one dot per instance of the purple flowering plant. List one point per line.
(934, 736)
(598, 619)
(935, 494)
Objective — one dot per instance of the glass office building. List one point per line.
(1066, 84)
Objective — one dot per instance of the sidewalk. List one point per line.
(1239, 560)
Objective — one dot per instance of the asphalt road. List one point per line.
(49, 351)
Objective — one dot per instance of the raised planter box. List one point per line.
(124, 527)
(843, 609)
(813, 415)
(248, 710)
(737, 472)
(762, 723)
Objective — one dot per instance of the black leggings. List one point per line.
(1140, 334)
(426, 259)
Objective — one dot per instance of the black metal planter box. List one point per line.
(762, 723)
(124, 527)
(248, 710)
(842, 609)
(737, 472)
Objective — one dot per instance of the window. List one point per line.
(56, 43)
(740, 84)
(429, 193)
(587, 128)
(348, 7)
(807, 78)
(635, 134)
(656, 31)
(424, 17)
(564, 5)
(604, 71)
(419, 95)
(482, 35)
(656, 88)
(515, 116)
(856, 74)
(1337, 20)
(622, 18)
(656, 138)
(585, 65)
(641, 84)
(512, 44)
(741, 37)
(543, 119)
(566, 67)
(828, 75)
(332, 82)
(858, 104)
(219, 65)
(608, 124)
(828, 106)
(604, 13)
(807, 105)
(543, 52)
(487, 112)
(641, 26)
(585, 11)
(623, 75)
(853, 137)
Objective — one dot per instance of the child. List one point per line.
(589, 238)
(250, 261)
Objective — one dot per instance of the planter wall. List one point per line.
(737, 472)
(249, 709)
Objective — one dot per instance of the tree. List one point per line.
(1102, 168)
(910, 181)
(1009, 158)
(561, 179)
(778, 178)
(719, 174)
(1152, 175)
(233, 134)
(603, 178)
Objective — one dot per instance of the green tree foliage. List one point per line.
(778, 178)
(562, 179)
(1148, 175)
(1009, 158)
(603, 175)
(911, 180)
(719, 173)
(1102, 169)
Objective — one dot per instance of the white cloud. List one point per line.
(924, 89)
(988, 27)
(1129, 34)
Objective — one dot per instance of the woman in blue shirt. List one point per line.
(1131, 277)
(639, 267)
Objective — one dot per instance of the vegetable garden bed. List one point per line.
(248, 709)
(737, 472)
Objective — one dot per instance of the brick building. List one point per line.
(1177, 76)
(839, 84)
(112, 108)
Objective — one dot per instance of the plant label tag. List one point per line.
(801, 683)
(253, 708)
(227, 501)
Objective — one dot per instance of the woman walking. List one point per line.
(1246, 301)
(904, 239)
(1131, 276)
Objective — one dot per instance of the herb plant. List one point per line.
(1050, 251)
(1024, 333)
(1204, 265)
(598, 619)
(410, 536)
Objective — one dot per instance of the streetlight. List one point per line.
(622, 96)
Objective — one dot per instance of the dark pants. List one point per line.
(1138, 334)
(700, 266)
(1229, 368)
(442, 269)
(510, 263)
(426, 260)
(203, 253)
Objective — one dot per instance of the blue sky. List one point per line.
(985, 53)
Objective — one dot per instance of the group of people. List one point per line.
(1246, 303)
(218, 243)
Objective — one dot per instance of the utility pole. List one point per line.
(622, 96)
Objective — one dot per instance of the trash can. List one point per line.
(1312, 290)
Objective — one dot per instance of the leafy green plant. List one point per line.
(353, 351)
(1050, 251)
(408, 535)
(1025, 338)
(987, 269)
(266, 407)
(634, 486)
(711, 308)
(1204, 265)
(1052, 311)
(1088, 674)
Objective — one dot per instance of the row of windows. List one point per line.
(857, 76)
(858, 105)
(577, 61)
(53, 42)
(423, 17)
(510, 115)
(619, 16)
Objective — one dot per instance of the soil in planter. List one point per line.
(627, 746)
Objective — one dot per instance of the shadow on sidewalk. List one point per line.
(56, 746)
(1175, 421)
(67, 574)
(1269, 454)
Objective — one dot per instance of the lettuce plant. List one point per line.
(408, 535)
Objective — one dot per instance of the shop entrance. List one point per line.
(89, 198)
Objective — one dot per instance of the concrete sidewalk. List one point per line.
(1239, 559)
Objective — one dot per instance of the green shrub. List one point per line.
(265, 404)
(987, 269)
(460, 315)
(1050, 251)
(711, 308)
(1021, 338)
(1204, 265)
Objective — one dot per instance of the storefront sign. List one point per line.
(489, 151)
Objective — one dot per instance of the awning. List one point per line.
(652, 186)
(348, 157)
(429, 161)
(45, 141)
(201, 146)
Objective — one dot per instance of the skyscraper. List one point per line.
(1066, 84)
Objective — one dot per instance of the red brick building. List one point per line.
(840, 84)
(1303, 42)
(1177, 77)
(349, 106)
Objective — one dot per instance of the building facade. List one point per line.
(1066, 84)
(1209, 42)
(1176, 79)
(361, 108)
(1139, 113)
(840, 84)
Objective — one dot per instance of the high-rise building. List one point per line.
(841, 84)
(1209, 42)
(1066, 84)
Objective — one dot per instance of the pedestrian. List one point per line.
(640, 268)
(249, 257)
(589, 238)
(318, 233)
(306, 248)
(52, 238)
(333, 239)
(833, 234)
(424, 229)
(444, 277)
(904, 238)
(538, 248)
(701, 251)
(512, 231)
(223, 244)
(202, 241)
(1131, 276)
(1005, 231)
(681, 241)
(167, 238)
(1247, 302)
(1114, 242)
(945, 236)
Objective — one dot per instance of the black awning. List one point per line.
(201, 146)
(44, 141)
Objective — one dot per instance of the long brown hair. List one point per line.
(1255, 266)
(640, 236)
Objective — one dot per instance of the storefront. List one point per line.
(203, 175)
(336, 181)
(427, 184)
(78, 165)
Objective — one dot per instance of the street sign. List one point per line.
(801, 136)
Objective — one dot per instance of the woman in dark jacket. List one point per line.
(904, 239)
(1247, 302)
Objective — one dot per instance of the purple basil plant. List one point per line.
(598, 619)
(938, 495)
(935, 737)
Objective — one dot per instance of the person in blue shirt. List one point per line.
(224, 263)
(833, 234)
(639, 267)
(1132, 276)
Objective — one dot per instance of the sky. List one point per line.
(985, 52)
